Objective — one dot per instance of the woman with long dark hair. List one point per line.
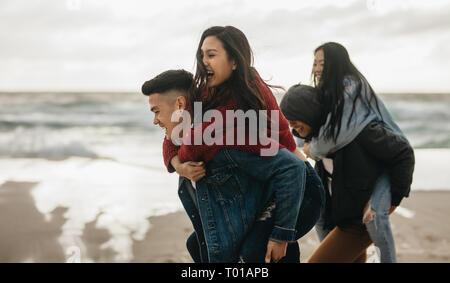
(230, 72)
(352, 104)
(350, 174)
(226, 80)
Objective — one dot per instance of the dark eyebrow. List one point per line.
(154, 108)
(211, 49)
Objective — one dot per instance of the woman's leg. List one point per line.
(379, 226)
(310, 211)
(362, 257)
(313, 203)
(254, 246)
(321, 230)
(342, 245)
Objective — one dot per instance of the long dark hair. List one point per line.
(241, 84)
(338, 65)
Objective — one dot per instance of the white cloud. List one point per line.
(116, 45)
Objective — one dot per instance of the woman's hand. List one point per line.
(306, 150)
(368, 215)
(275, 251)
(300, 154)
(191, 170)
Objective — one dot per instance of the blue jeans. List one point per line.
(253, 249)
(321, 230)
(236, 189)
(379, 227)
(292, 252)
(253, 246)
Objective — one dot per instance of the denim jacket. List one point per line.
(320, 147)
(237, 187)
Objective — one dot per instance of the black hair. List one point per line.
(180, 80)
(338, 65)
(242, 81)
(302, 103)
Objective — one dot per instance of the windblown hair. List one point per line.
(337, 66)
(241, 84)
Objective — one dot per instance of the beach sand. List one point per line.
(421, 230)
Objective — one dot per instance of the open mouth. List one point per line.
(209, 74)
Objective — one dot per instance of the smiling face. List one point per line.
(304, 130)
(218, 65)
(163, 106)
(319, 61)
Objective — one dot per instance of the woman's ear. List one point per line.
(233, 65)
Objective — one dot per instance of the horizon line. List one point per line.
(138, 91)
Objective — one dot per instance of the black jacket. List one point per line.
(357, 166)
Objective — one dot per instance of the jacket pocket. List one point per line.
(226, 185)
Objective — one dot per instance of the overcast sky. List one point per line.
(399, 45)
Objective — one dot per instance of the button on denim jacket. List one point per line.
(237, 187)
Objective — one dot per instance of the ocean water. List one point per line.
(99, 156)
(424, 118)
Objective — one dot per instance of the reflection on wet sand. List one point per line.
(93, 239)
(165, 241)
(28, 235)
(25, 235)
(106, 204)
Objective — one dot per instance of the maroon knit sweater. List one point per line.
(206, 152)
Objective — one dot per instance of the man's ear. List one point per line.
(180, 103)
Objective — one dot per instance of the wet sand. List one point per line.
(425, 237)
(421, 231)
(25, 234)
